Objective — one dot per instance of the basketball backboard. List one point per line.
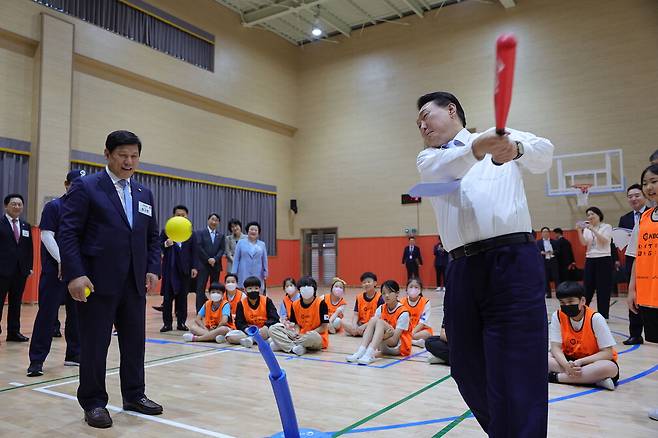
(604, 170)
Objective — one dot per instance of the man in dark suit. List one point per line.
(179, 264)
(638, 204)
(15, 263)
(109, 243)
(549, 251)
(53, 291)
(412, 258)
(210, 250)
(564, 254)
(441, 258)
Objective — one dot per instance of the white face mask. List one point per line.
(338, 291)
(413, 292)
(291, 290)
(231, 286)
(215, 297)
(307, 292)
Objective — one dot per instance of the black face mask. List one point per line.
(570, 310)
(253, 295)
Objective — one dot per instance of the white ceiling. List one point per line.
(294, 19)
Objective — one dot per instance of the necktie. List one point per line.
(127, 200)
(17, 234)
(637, 217)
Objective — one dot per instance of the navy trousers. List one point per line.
(498, 336)
(52, 293)
(125, 309)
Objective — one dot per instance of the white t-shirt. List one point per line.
(594, 247)
(403, 320)
(602, 332)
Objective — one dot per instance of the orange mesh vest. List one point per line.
(309, 318)
(332, 308)
(213, 317)
(287, 301)
(581, 343)
(365, 308)
(234, 306)
(256, 316)
(392, 319)
(646, 261)
(415, 312)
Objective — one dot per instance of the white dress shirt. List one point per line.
(490, 200)
(548, 247)
(115, 180)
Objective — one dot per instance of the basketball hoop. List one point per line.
(582, 194)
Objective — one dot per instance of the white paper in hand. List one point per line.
(434, 188)
(621, 237)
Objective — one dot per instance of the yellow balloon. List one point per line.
(87, 292)
(178, 229)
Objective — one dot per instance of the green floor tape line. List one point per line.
(454, 423)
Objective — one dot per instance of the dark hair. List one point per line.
(654, 156)
(231, 274)
(597, 211)
(13, 195)
(442, 99)
(233, 222)
(368, 274)
(253, 223)
(417, 280)
(545, 228)
(568, 289)
(180, 207)
(635, 186)
(288, 279)
(216, 285)
(391, 285)
(121, 138)
(653, 169)
(307, 280)
(214, 214)
(252, 282)
(558, 230)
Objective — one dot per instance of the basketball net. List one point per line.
(582, 194)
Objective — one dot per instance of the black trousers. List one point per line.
(412, 269)
(52, 293)
(438, 347)
(126, 310)
(599, 280)
(202, 278)
(180, 300)
(12, 286)
(551, 272)
(440, 276)
(635, 324)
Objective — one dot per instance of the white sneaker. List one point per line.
(274, 346)
(247, 342)
(653, 414)
(431, 359)
(220, 339)
(606, 384)
(438, 289)
(337, 322)
(418, 343)
(188, 337)
(299, 350)
(366, 360)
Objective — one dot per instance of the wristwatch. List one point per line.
(519, 150)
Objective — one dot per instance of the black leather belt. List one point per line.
(471, 249)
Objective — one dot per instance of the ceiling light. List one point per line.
(316, 31)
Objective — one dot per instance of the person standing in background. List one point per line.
(412, 259)
(210, 249)
(232, 238)
(441, 258)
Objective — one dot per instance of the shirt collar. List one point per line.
(211, 231)
(461, 139)
(115, 179)
(10, 219)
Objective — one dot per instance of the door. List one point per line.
(320, 254)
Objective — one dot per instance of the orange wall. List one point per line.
(285, 264)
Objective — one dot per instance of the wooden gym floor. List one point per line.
(224, 391)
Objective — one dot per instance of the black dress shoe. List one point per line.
(165, 328)
(72, 361)
(35, 369)
(57, 334)
(143, 406)
(17, 337)
(182, 327)
(158, 308)
(634, 340)
(98, 417)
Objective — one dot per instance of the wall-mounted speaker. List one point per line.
(293, 205)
